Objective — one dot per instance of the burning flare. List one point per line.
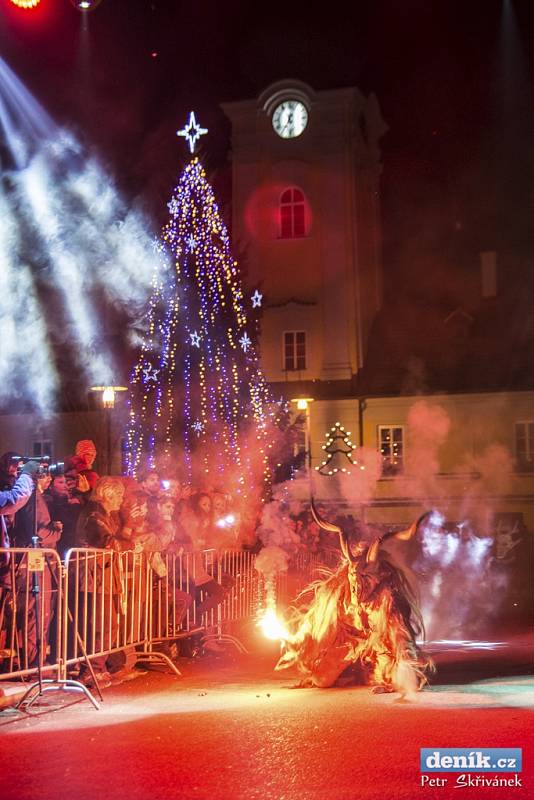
(272, 627)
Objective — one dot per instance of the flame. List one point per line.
(272, 627)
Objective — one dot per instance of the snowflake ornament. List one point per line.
(245, 342)
(198, 427)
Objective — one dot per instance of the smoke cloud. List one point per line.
(427, 430)
(68, 241)
(458, 587)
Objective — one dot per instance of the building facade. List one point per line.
(306, 186)
(306, 175)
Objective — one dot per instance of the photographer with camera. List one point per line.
(26, 527)
(11, 501)
(34, 521)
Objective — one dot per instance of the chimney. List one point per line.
(488, 273)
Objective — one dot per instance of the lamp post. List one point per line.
(85, 5)
(303, 404)
(108, 404)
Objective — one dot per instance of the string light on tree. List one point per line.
(210, 399)
(174, 207)
(339, 449)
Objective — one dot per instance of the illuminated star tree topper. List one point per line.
(192, 132)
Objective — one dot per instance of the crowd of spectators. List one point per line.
(155, 514)
(76, 508)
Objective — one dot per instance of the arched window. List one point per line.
(292, 213)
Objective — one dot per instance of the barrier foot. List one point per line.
(155, 657)
(35, 691)
(225, 638)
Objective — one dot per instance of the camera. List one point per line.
(57, 469)
(41, 470)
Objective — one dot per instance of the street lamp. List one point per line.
(108, 403)
(303, 404)
(85, 5)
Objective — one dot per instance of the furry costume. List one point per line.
(364, 613)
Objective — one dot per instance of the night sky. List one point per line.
(453, 78)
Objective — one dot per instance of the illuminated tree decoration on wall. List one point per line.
(198, 399)
(339, 449)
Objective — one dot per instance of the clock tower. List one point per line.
(306, 173)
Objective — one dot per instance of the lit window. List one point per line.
(294, 354)
(391, 446)
(292, 214)
(524, 446)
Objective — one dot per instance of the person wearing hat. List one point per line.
(86, 451)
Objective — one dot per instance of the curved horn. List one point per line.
(405, 535)
(410, 532)
(322, 523)
(329, 526)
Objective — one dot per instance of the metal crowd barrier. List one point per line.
(107, 603)
(31, 608)
(99, 602)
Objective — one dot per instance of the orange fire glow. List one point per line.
(272, 627)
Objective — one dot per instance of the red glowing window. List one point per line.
(294, 354)
(292, 214)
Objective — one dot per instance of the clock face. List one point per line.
(290, 119)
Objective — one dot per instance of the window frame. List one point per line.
(41, 441)
(292, 207)
(296, 367)
(390, 469)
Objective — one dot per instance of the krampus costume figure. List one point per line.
(363, 614)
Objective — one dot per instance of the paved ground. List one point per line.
(231, 728)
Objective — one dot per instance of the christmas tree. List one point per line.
(339, 449)
(198, 399)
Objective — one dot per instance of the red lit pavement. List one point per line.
(231, 728)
